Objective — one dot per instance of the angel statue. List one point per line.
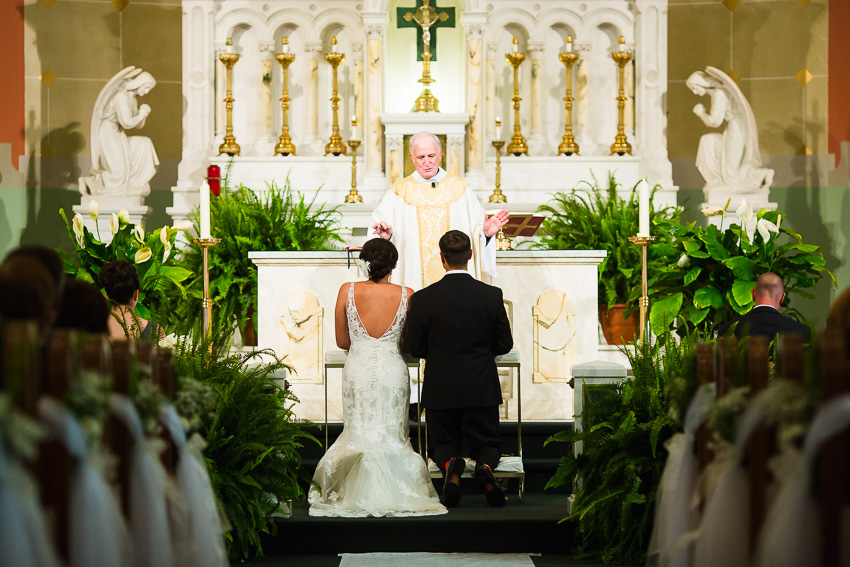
(729, 161)
(121, 164)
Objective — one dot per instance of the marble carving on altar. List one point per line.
(301, 321)
(554, 333)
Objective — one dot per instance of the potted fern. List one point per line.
(276, 219)
(592, 218)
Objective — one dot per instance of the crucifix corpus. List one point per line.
(426, 17)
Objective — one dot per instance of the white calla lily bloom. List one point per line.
(142, 255)
(139, 233)
(124, 216)
(94, 210)
(114, 224)
(713, 211)
(77, 227)
(683, 261)
(765, 227)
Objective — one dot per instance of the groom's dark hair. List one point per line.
(455, 247)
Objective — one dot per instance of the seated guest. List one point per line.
(27, 291)
(765, 320)
(83, 307)
(121, 283)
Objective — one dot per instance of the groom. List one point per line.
(459, 325)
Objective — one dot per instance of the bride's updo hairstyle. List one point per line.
(382, 257)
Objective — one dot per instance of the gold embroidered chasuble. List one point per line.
(433, 219)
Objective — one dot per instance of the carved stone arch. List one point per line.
(512, 17)
(238, 20)
(349, 20)
(622, 22)
(289, 18)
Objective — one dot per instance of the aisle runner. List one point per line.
(436, 560)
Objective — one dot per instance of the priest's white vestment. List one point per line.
(420, 211)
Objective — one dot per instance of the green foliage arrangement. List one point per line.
(716, 270)
(276, 219)
(161, 279)
(592, 218)
(251, 433)
(623, 453)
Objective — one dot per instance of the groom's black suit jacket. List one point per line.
(459, 325)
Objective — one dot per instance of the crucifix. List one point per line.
(426, 17)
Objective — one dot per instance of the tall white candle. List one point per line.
(354, 127)
(205, 210)
(498, 128)
(569, 45)
(285, 45)
(514, 45)
(643, 210)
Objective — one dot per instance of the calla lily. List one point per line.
(142, 255)
(778, 222)
(713, 211)
(124, 216)
(163, 236)
(77, 226)
(182, 226)
(139, 233)
(683, 261)
(765, 227)
(114, 224)
(94, 210)
(167, 252)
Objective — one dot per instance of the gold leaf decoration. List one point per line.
(803, 76)
(120, 4)
(804, 151)
(731, 4)
(47, 78)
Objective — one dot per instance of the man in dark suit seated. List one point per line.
(459, 325)
(765, 320)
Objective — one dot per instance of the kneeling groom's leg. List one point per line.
(444, 440)
(481, 428)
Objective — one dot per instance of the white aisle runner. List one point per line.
(436, 560)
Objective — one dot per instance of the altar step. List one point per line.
(540, 462)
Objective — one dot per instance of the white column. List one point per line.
(490, 102)
(455, 163)
(535, 139)
(651, 93)
(199, 60)
(375, 179)
(357, 90)
(581, 96)
(473, 23)
(267, 139)
(312, 52)
(394, 158)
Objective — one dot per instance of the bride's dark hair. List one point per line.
(382, 257)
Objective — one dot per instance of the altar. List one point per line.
(550, 298)
(326, 79)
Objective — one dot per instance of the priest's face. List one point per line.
(426, 156)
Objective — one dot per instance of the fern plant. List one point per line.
(592, 218)
(253, 440)
(276, 219)
(623, 453)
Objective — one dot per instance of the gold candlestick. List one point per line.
(353, 196)
(229, 146)
(621, 146)
(497, 196)
(643, 242)
(517, 145)
(285, 146)
(426, 16)
(206, 302)
(335, 146)
(568, 58)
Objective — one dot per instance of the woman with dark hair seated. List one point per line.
(121, 283)
(371, 469)
(83, 307)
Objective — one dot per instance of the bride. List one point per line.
(371, 469)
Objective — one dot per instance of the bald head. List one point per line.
(769, 290)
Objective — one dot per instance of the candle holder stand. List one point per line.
(206, 303)
(517, 146)
(335, 146)
(229, 146)
(643, 242)
(497, 196)
(621, 146)
(353, 196)
(285, 146)
(568, 145)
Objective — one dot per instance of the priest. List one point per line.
(426, 204)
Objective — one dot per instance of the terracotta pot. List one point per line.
(250, 337)
(617, 330)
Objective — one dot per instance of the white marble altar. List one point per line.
(524, 276)
(377, 84)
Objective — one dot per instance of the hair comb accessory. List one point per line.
(363, 266)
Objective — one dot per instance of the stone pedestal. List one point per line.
(109, 204)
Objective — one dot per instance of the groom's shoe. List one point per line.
(451, 482)
(493, 493)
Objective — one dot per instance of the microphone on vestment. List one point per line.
(433, 185)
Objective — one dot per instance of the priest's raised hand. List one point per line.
(493, 223)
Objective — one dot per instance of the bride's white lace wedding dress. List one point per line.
(371, 469)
